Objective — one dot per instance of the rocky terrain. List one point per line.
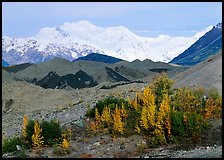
(69, 105)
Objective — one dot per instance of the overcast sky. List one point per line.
(24, 19)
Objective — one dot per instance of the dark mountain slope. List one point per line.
(206, 46)
(99, 58)
(78, 80)
(115, 76)
(4, 63)
(17, 68)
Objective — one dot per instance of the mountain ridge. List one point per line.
(99, 58)
(74, 40)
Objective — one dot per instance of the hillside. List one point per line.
(206, 46)
(100, 72)
(69, 107)
(207, 73)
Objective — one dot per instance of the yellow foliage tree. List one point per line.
(97, 119)
(165, 110)
(209, 107)
(37, 138)
(163, 118)
(137, 129)
(118, 125)
(65, 144)
(185, 100)
(135, 103)
(25, 122)
(106, 116)
(148, 97)
(69, 133)
(144, 120)
(148, 109)
(123, 111)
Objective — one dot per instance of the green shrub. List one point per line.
(29, 132)
(160, 86)
(155, 141)
(9, 144)
(196, 125)
(59, 151)
(185, 99)
(51, 131)
(178, 128)
(190, 128)
(131, 121)
(22, 153)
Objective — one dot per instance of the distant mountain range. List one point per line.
(99, 58)
(206, 46)
(74, 40)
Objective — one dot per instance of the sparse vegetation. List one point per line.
(111, 102)
(161, 114)
(9, 144)
(38, 135)
(51, 132)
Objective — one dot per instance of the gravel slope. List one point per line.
(207, 73)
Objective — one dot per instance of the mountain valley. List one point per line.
(61, 73)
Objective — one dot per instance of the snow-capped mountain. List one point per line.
(74, 40)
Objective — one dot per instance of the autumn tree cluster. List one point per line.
(38, 135)
(161, 113)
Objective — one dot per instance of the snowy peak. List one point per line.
(74, 40)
